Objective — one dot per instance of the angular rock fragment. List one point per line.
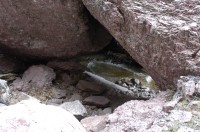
(76, 108)
(5, 93)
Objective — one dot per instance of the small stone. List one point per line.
(4, 92)
(59, 93)
(99, 101)
(169, 105)
(188, 88)
(185, 129)
(197, 88)
(94, 123)
(180, 116)
(76, 108)
(92, 87)
(107, 111)
(194, 105)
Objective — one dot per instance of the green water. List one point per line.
(114, 72)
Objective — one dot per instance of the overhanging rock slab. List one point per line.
(161, 35)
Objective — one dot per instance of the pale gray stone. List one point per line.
(75, 107)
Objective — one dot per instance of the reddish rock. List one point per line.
(61, 28)
(162, 36)
(99, 101)
(136, 115)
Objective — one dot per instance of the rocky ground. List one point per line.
(96, 107)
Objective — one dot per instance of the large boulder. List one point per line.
(59, 28)
(162, 36)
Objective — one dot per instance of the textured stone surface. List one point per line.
(188, 85)
(162, 36)
(31, 116)
(135, 115)
(75, 107)
(94, 123)
(4, 92)
(61, 28)
(37, 76)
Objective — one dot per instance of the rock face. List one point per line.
(31, 116)
(162, 36)
(49, 28)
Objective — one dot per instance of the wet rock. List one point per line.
(76, 108)
(66, 65)
(99, 101)
(5, 94)
(37, 76)
(59, 93)
(91, 87)
(32, 116)
(94, 123)
(53, 29)
(8, 64)
(180, 116)
(162, 36)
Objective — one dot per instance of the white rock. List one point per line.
(31, 116)
(188, 88)
(4, 92)
(197, 88)
(74, 107)
(185, 129)
(180, 116)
